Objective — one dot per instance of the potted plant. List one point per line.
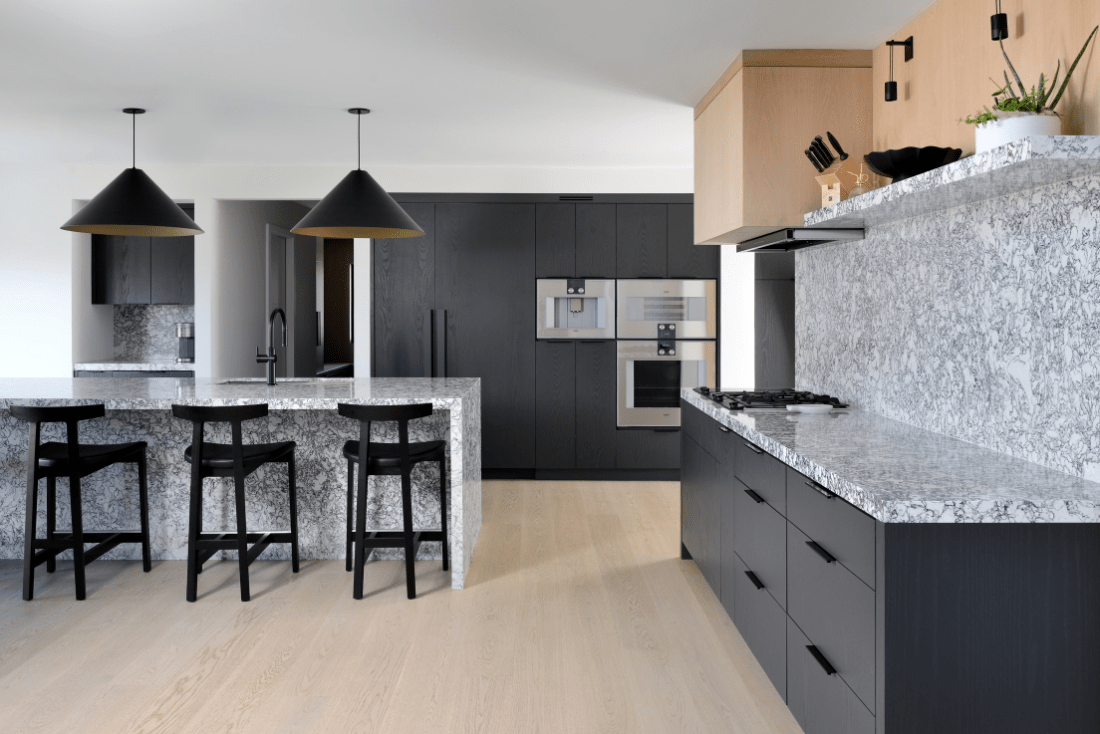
(1016, 116)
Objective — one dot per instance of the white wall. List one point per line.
(43, 287)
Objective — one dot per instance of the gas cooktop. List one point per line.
(766, 399)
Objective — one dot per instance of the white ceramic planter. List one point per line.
(1011, 126)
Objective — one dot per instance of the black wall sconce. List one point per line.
(999, 24)
(892, 86)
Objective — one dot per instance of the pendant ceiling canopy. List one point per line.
(133, 205)
(358, 208)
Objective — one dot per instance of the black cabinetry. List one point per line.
(575, 240)
(143, 270)
(575, 405)
(642, 234)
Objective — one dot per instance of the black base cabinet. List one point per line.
(905, 628)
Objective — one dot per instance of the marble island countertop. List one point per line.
(129, 364)
(288, 394)
(900, 473)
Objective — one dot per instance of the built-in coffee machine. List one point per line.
(576, 308)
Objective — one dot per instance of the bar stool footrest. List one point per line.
(62, 542)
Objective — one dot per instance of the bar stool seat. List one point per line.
(75, 461)
(219, 456)
(383, 456)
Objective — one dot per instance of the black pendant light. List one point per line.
(133, 205)
(358, 207)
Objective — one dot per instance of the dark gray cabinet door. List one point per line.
(485, 280)
(120, 269)
(555, 240)
(555, 404)
(172, 270)
(701, 532)
(693, 472)
(642, 449)
(774, 333)
(596, 241)
(821, 703)
(760, 621)
(685, 259)
(727, 515)
(596, 405)
(403, 294)
(642, 240)
(761, 540)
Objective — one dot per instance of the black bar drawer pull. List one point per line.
(818, 488)
(723, 429)
(829, 669)
(754, 449)
(821, 551)
(755, 497)
(755, 581)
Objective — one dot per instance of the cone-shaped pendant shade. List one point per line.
(358, 208)
(133, 205)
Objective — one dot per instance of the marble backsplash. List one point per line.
(980, 322)
(148, 333)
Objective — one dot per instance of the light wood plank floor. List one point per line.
(579, 616)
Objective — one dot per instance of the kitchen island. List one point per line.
(893, 580)
(302, 410)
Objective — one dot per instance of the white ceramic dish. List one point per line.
(810, 408)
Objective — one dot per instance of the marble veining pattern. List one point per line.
(898, 473)
(1018, 166)
(981, 322)
(302, 411)
(147, 333)
(125, 365)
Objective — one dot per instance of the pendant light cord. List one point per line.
(133, 140)
(359, 138)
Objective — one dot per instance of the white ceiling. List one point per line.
(495, 82)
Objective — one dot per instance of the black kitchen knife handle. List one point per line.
(839, 150)
(821, 159)
(824, 149)
(814, 161)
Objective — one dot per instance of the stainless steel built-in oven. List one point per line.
(575, 309)
(651, 374)
(658, 309)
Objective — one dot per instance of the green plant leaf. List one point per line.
(1023, 89)
(1069, 71)
(1008, 87)
(1053, 83)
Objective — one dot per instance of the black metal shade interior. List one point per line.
(134, 205)
(358, 208)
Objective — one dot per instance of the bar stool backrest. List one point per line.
(200, 415)
(366, 414)
(67, 414)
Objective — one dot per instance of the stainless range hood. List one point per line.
(790, 239)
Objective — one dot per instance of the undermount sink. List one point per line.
(287, 381)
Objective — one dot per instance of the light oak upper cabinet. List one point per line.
(753, 127)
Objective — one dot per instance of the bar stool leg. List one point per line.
(443, 512)
(406, 511)
(351, 489)
(51, 519)
(193, 534)
(78, 535)
(360, 532)
(30, 530)
(292, 474)
(143, 508)
(242, 535)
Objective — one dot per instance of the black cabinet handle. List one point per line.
(821, 551)
(818, 488)
(558, 341)
(755, 497)
(723, 429)
(663, 430)
(755, 581)
(752, 448)
(829, 669)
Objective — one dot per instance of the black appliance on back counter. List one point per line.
(766, 399)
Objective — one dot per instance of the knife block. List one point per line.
(833, 190)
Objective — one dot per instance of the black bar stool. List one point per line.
(75, 461)
(391, 459)
(234, 460)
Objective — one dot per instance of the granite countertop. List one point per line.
(124, 364)
(899, 473)
(289, 394)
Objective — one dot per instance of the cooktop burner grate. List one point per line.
(766, 399)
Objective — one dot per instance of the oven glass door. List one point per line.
(685, 308)
(650, 381)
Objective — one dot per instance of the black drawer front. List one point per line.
(821, 703)
(840, 528)
(699, 426)
(760, 538)
(762, 473)
(836, 611)
(763, 625)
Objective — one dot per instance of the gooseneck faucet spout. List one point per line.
(270, 358)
